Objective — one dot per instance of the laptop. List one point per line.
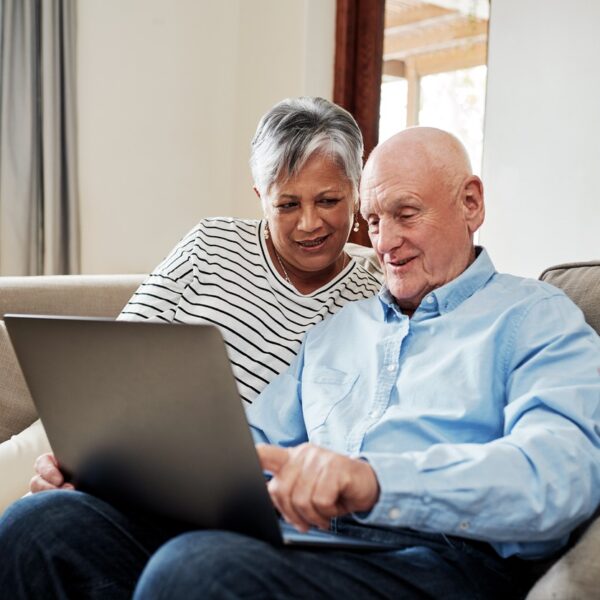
(147, 415)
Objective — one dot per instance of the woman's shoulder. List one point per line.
(211, 229)
(366, 258)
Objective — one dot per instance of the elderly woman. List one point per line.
(264, 283)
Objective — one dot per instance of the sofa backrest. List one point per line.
(581, 282)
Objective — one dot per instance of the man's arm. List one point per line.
(537, 481)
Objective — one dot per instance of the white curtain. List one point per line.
(39, 217)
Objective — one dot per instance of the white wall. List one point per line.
(541, 156)
(170, 92)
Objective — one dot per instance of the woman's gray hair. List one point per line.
(293, 130)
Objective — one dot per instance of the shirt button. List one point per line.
(394, 513)
(464, 525)
(430, 299)
(391, 368)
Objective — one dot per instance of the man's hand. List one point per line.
(48, 475)
(311, 485)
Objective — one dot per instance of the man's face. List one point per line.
(420, 225)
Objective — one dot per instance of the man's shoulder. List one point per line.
(519, 299)
(521, 288)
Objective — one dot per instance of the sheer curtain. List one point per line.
(39, 218)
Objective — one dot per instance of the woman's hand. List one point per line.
(310, 485)
(48, 475)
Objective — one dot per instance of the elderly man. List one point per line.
(454, 418)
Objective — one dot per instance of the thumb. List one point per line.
(272, 458)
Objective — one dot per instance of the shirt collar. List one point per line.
(450, 295)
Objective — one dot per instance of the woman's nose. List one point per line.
(310, 220)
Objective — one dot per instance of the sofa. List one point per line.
(575, 576)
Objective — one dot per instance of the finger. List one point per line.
(281, 488)
(315, 469)
(39, 484)
(272, 458)
(326, 499)
(46, 467)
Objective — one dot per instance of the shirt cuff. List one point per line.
(401, 502)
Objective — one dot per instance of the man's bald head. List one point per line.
(422, 204)
(433, 151)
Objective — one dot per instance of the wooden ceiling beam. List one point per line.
(397, 16)
(430, 63)
(394, 68)
(452, 59)
(435, 34)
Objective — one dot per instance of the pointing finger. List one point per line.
(272, 458)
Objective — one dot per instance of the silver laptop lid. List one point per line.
(146, 414)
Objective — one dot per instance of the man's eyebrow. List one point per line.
(397, 202)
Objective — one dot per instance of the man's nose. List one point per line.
(310, 219)
(389, 236)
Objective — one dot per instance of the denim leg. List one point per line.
(63, 544)
(227, 566)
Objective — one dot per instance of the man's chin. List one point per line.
(404, 297)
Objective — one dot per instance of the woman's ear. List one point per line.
(256, 192)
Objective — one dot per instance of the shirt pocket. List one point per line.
(323, 388)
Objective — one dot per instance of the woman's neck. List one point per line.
(306, 282)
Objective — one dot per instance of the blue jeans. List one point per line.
(73, 545)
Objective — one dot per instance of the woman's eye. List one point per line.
(286, 206)
(329, 201)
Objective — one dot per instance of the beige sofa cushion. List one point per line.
(86, 295)
(575, 575)
(16, 407)
(581, 282)
(17, 458)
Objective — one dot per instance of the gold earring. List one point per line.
(356, 225)
(266, 230)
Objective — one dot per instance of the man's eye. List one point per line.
(372, 223)
(408, 214)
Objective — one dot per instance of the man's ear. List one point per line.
(473, 204)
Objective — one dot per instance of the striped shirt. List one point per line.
(221, 274)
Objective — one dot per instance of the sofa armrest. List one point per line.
(83, 295)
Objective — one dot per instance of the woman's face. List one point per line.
(310, 215)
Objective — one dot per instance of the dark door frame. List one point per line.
(358, 69)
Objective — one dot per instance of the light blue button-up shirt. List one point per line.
(480, 415)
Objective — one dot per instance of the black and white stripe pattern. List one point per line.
(221, 273)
